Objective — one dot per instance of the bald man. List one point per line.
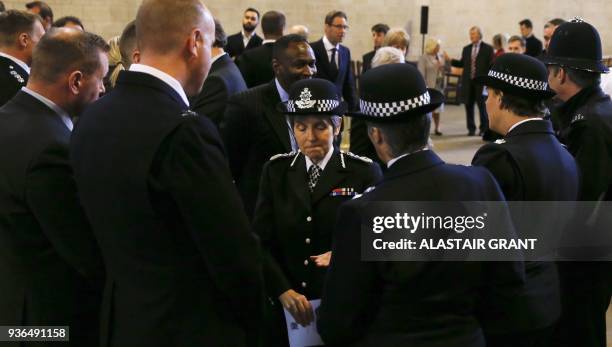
(50, 265)
(183, 268)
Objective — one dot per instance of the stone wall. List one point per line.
(449, 19)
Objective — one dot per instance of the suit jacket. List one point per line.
(235, 44)
(344, 81)
(12, 78)
(367, 61)
(168, 220)
(256, 65)
(50, 265)
(254, 131)
(408, 303)
(223, 81)
(484, 58)
(533, 46)
(294, 224)
(530, 165)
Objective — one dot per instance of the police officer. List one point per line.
(421, 304)
(299, 196)
(574, 62)
(530, 164)
(20, 31)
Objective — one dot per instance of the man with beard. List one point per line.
(50, 265)
(247, 38)
(254, 128)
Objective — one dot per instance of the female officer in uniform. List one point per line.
(298, 198)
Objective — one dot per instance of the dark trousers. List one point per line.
(472, 93)
(538, 338)
(586, 289)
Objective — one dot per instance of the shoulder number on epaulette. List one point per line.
(355, 156)
(189, 113)
(577, 118)
(500, 141)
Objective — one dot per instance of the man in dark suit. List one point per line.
(19, 33)
(223, 81)
(334, 59)
(534, 46)
(475, 60)
(585, 118)
(417, 303)
(247, 38)
(378, 37)
(51, 268)
(254, 128)
(529, 164)
(158, 192)
(256, 64)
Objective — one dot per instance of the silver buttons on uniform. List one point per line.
(307, 241)
(305, 262)
(303, 284)
(309, 219)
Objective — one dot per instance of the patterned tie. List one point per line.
(332, 64)
(313, 177)
(473, 61)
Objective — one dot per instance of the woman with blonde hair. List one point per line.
(432, 65)
(398, 38)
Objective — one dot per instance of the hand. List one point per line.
(298, 306)
(322, 260)
(445, 55)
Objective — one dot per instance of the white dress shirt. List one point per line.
(21, 64)
(246, 38)
(323, 163)
(328, 48)
(284, 96)
(169, 80)
(60, 112)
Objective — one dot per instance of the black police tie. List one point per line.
(332, 64)
(313, 176)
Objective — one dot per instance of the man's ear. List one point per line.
(75, 81)
(23, 40)
(194, 41)
(375, 135)
(276, 66)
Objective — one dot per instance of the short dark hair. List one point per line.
(127, 43)
(251, 9)
(406, 136)
(329, 18)
(2, 8)
(220, 36)
(525, 107)
(45, 10)
(518, 38)
(273, 23)
(13, 23)
(59, 52)
(68, 19)
(526, 23)
(556, 21)
(281, 45)
(582, 78)
(380, 28)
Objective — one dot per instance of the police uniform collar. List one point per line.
(143, 79)
(530, 125)
(17, 61)
(578, 100)
(164, 77)
(412, 163)
(323, 163)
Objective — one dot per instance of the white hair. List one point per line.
(387, 55)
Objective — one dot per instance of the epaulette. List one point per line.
(189, 113)
(578, 117)
(283, 155)
(369, 189)
(500, 141)
(355, 156)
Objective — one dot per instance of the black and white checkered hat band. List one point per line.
(386, 109)
(520, 82)
(320, 106)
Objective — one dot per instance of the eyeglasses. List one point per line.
(340, 26)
